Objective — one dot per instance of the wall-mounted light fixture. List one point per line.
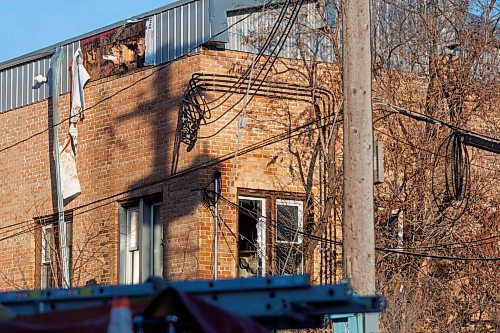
(39, 79)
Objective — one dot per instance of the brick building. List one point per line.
(154, 137)
(173, 101)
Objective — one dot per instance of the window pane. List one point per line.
(248, 217)
(251, 249)
(51, 251)
(136, 272)
(47, 281)
(157, 241)
(133, 230)
(47, 243)
(50, 257)
(287, 222)
(288, 258)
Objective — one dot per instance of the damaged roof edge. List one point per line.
(49, 50)
(218, 10)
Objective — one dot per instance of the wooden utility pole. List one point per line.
(358, 215)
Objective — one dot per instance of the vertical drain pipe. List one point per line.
(55, 68)
(217, 179)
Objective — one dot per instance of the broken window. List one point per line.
(282, 235)
(251, 242)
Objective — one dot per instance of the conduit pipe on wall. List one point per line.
(55, 66)
(217, 189)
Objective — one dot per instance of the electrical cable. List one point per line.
(427, 150)
(193, 124)
(262, 50)
(429, 119)
(297, 131)
(19, 233)
(453, 203)
(471, 243)
(431, 256)
(453, 200)
(12, 225)
(158, 69)
(381, 249)
(279, 46)
(248, 149)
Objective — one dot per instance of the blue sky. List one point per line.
(29, 25)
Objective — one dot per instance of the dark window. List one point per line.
(49, 249)
(251, 239)
(289, 227)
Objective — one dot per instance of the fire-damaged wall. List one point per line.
(127, 145)
(115, 51)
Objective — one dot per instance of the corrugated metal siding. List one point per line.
(67, 58)
(181, 29)
(259, 23)
(16, 83)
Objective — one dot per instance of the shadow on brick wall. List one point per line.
(179, 186)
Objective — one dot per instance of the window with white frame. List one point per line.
(289, 227)
(141, 241)
(49, 269)
(252, 235)
(263, 235)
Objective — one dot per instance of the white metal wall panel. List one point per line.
(181, 30)
(17, 86)
(67, 57)
(258, 24)
(3, 91)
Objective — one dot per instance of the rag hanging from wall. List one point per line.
(70, 183)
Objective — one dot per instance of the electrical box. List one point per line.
(378, 161)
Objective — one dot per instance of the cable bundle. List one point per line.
(194, 111)
(452, 199)
(193, 114)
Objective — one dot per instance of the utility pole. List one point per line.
(358, 213)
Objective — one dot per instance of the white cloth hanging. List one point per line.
(70, 184)
(80, 76)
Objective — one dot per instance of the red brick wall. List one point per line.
(127, 141)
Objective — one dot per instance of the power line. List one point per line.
(427, 150)
(277, 138)
(154, 71)
(429, 119)
(380, 249)
(431, 256)
(297, 131)
(471, 243)
(13, 225)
